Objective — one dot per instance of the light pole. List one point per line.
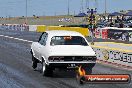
(82, 6)
(105, 7)
(68, 9)
(87, 4)
(26, 21)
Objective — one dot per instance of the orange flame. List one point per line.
(81, 71)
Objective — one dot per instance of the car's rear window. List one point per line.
(68, 40)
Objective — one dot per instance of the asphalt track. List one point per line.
(16, 70)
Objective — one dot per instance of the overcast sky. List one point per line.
(58, 7)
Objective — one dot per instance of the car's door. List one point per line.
(41, 45)
(34, 47)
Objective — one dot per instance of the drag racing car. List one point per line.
(63, 50)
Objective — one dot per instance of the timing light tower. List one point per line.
(92, 19)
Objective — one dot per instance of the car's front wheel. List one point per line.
(34, 62)
(46, 70)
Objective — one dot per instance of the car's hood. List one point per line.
(70, 50)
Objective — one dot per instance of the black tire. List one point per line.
(88, 68)
(34, 62)
(80, 80)
(46, 70)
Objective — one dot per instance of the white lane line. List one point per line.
(16, 38)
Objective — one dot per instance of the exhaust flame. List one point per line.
(81, 71)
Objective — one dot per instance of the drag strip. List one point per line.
(16, 70)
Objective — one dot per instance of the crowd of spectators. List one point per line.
(120, 22)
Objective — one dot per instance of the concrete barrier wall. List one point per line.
(114, 56)
(41, 28)
(16, 27)
(32, 27)
(83, 31)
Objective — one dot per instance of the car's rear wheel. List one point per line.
(80, 79)
(88, 68)
(46, 70)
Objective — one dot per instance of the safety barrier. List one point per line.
(83, 31)
(114, 56)
(41, 28)
(16, 27)
(32, 27)
(123, 34)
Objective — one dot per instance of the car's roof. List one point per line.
(63, 33)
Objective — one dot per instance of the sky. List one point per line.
(58, 7)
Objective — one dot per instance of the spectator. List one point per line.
(121, 25)
(111, 24)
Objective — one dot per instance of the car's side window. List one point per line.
(43, 38)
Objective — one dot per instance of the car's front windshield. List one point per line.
(68, 40)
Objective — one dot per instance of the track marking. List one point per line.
(109, 48)
(123, 44)
(16, 38)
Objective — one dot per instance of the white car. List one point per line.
(64, 50)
